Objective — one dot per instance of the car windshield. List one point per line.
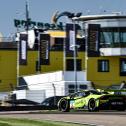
(85, 93)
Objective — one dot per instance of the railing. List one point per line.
(113, 45)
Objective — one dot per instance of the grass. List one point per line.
(27, 122)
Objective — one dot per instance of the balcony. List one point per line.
(113, 49)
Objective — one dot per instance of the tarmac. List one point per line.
(93, 119)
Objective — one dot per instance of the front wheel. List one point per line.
(64, 105)
(92, 105)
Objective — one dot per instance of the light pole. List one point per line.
(75, 46)
(75, 58)
(70, 16)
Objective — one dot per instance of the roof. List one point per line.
(97, 17)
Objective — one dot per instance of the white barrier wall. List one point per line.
(32, 95)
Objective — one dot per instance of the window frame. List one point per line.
(70, 65)
(99, 67)
(71, 88)
(121, 72)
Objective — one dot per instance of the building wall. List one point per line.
(8, 66)
(7, 69)
(103, 79)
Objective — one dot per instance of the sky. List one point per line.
(42, 10)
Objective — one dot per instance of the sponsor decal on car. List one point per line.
(116, 103)
(72, 103)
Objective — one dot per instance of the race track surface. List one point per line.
(95, 118)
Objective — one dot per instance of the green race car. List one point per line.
(92, 100)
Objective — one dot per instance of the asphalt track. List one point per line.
(102, 118)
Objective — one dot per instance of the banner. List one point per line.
(44, 49)
(23, 49)
(93, 40)
(70, 42)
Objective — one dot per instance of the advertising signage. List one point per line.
(41, 25)
(93, 40)
(23, 49)
(71, 38)
(44, 49)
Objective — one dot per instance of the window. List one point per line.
(103, 65)
(83, 87)
(106, 37)
(123, 67)
(57, 44)
(113, 37)
(70, 65)
(71, 88)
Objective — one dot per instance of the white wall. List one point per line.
(113, 51)
(32, 95)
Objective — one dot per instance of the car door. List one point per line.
(79, 100)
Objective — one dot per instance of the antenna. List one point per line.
(27, 16)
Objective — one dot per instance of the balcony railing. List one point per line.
(113, 45)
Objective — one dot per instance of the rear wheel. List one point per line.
(64, 105)
(92, 105)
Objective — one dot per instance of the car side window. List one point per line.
(81, 94)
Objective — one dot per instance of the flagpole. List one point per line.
(18, 72)
(64, 52)
(27, 16)
(39, 65)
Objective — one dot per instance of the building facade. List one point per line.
(101, 53)
(106, 48)
(9, 68)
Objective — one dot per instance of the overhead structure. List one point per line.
(70, 15)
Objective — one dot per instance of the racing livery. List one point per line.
(92, 100)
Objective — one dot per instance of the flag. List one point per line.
(71, 36)
(93, 40)
(44, 49)
(23, 49)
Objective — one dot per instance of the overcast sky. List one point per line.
(42, 10)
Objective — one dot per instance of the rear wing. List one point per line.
(119, 92)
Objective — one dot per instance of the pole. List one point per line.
(54, 88)
(75, 58)
(18, 72)
(86, 47)
(27, 16)
(39, 68)
(64, 52)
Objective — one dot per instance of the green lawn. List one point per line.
(26, 122)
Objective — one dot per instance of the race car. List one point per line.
(92, 100)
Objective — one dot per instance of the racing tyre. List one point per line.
(92, 105)
(64, 105)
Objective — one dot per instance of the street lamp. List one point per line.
(71, 16)
(75, 46)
